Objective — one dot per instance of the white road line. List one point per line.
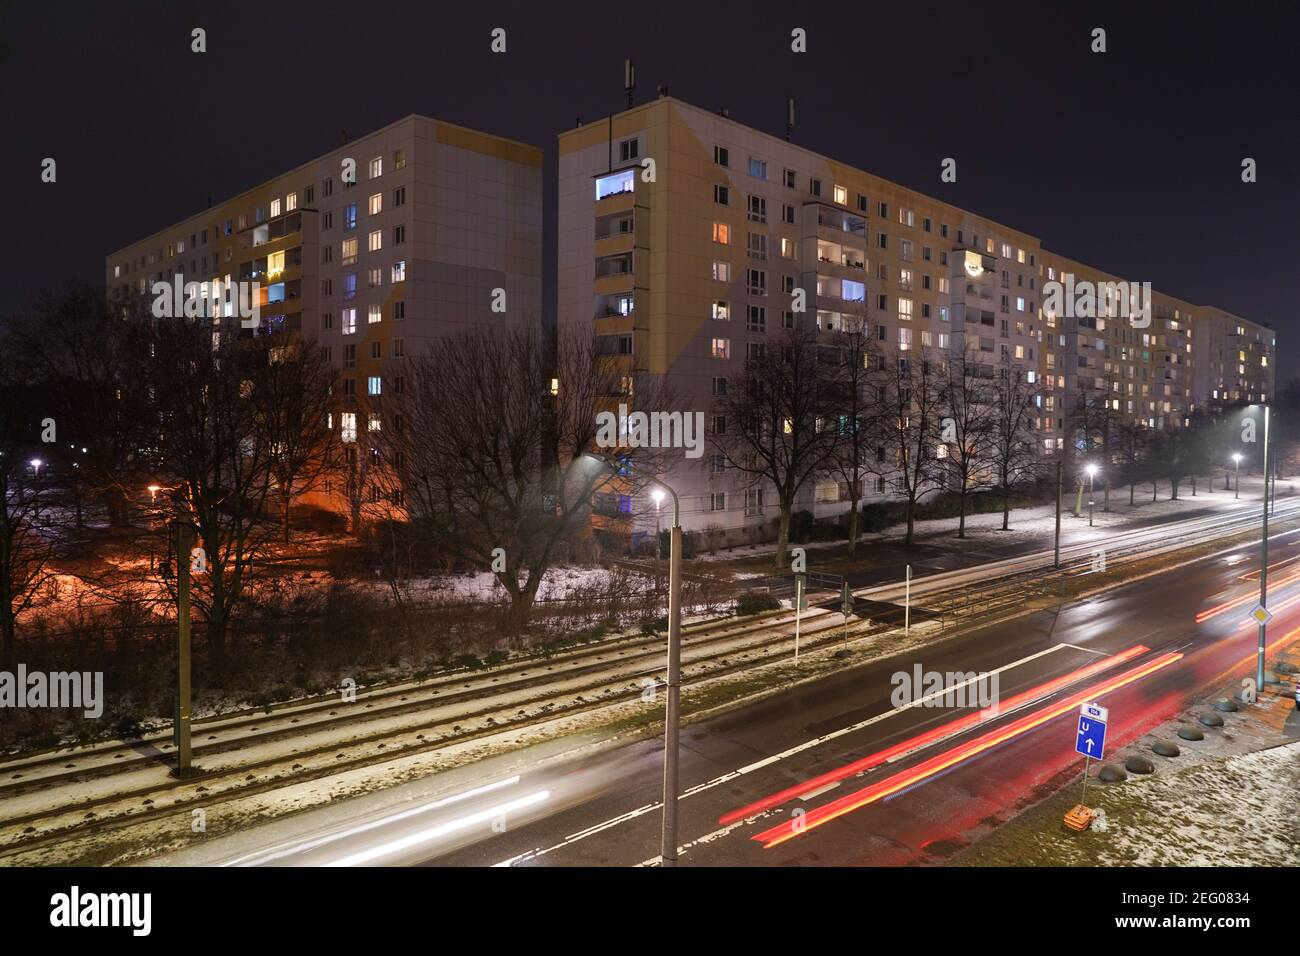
(765, 762)
(814, 794)
(1087, 650)
(266, 856)
(442, 829)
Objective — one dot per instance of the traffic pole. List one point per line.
(181, 732)
(907, 603)
(1263, 567)
(1056, 563)
(668, 846)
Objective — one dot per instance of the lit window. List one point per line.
(853, 291)
(721, 233)
(376, 204)
(274, 264)
(722, 271)
(291, 202)
(377, 167)
(614, 183)
(841, 195)
(350, 216)
(349, 321)
(349, 422)
(275, 208)
(721, 348)
(399, 271)
(721, 311)
(374, 386)
(399, 159)
(376, 240)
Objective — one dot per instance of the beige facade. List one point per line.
(440, 232)
(682, 235)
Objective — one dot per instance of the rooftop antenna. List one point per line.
(789, 117)
(345, 137)
(629, 79)
(724, 112)
(663, 90)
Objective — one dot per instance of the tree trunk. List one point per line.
(1132, 486)
(7, 628)
(782, 536)
(911, 519)
(1105, 499)
(961, 519)
(853, 525)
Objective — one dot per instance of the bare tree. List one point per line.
(910, 427)
(968, 435)
(492, 462)
(296, 390)
(1015, 449)
(213, 441)
(91, 356)
(778, 417)
(856, 400)
(28, 536)
(1133, 442)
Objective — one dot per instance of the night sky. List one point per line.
(1128, 160)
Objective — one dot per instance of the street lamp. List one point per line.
(36, 466)
(153, 493)
(1236, 458)
(658, 496)
(1263, 563)
(668, 842)
(1092, 474)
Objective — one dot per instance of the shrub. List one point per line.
(756, 604)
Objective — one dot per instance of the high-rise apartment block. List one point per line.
(684, 234)
(393, 239)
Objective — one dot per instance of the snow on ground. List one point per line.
(1228, 800)
(1039, 521)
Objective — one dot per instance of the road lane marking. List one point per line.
(756, 765)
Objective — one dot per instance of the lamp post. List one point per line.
(36, 467)
(668, 839)
(658, 496)
(1263, 566)
(1092, 474)
(1056, 561)
(1236, 460)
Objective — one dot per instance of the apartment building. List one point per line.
(682, 236)
(415, 246)
(1235, 359)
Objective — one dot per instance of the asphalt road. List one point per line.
(603, 810)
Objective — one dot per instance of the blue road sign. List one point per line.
(1091, 738)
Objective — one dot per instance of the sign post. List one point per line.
(846, 605)
(1090, 741)
(907, 604)
(800, 605)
